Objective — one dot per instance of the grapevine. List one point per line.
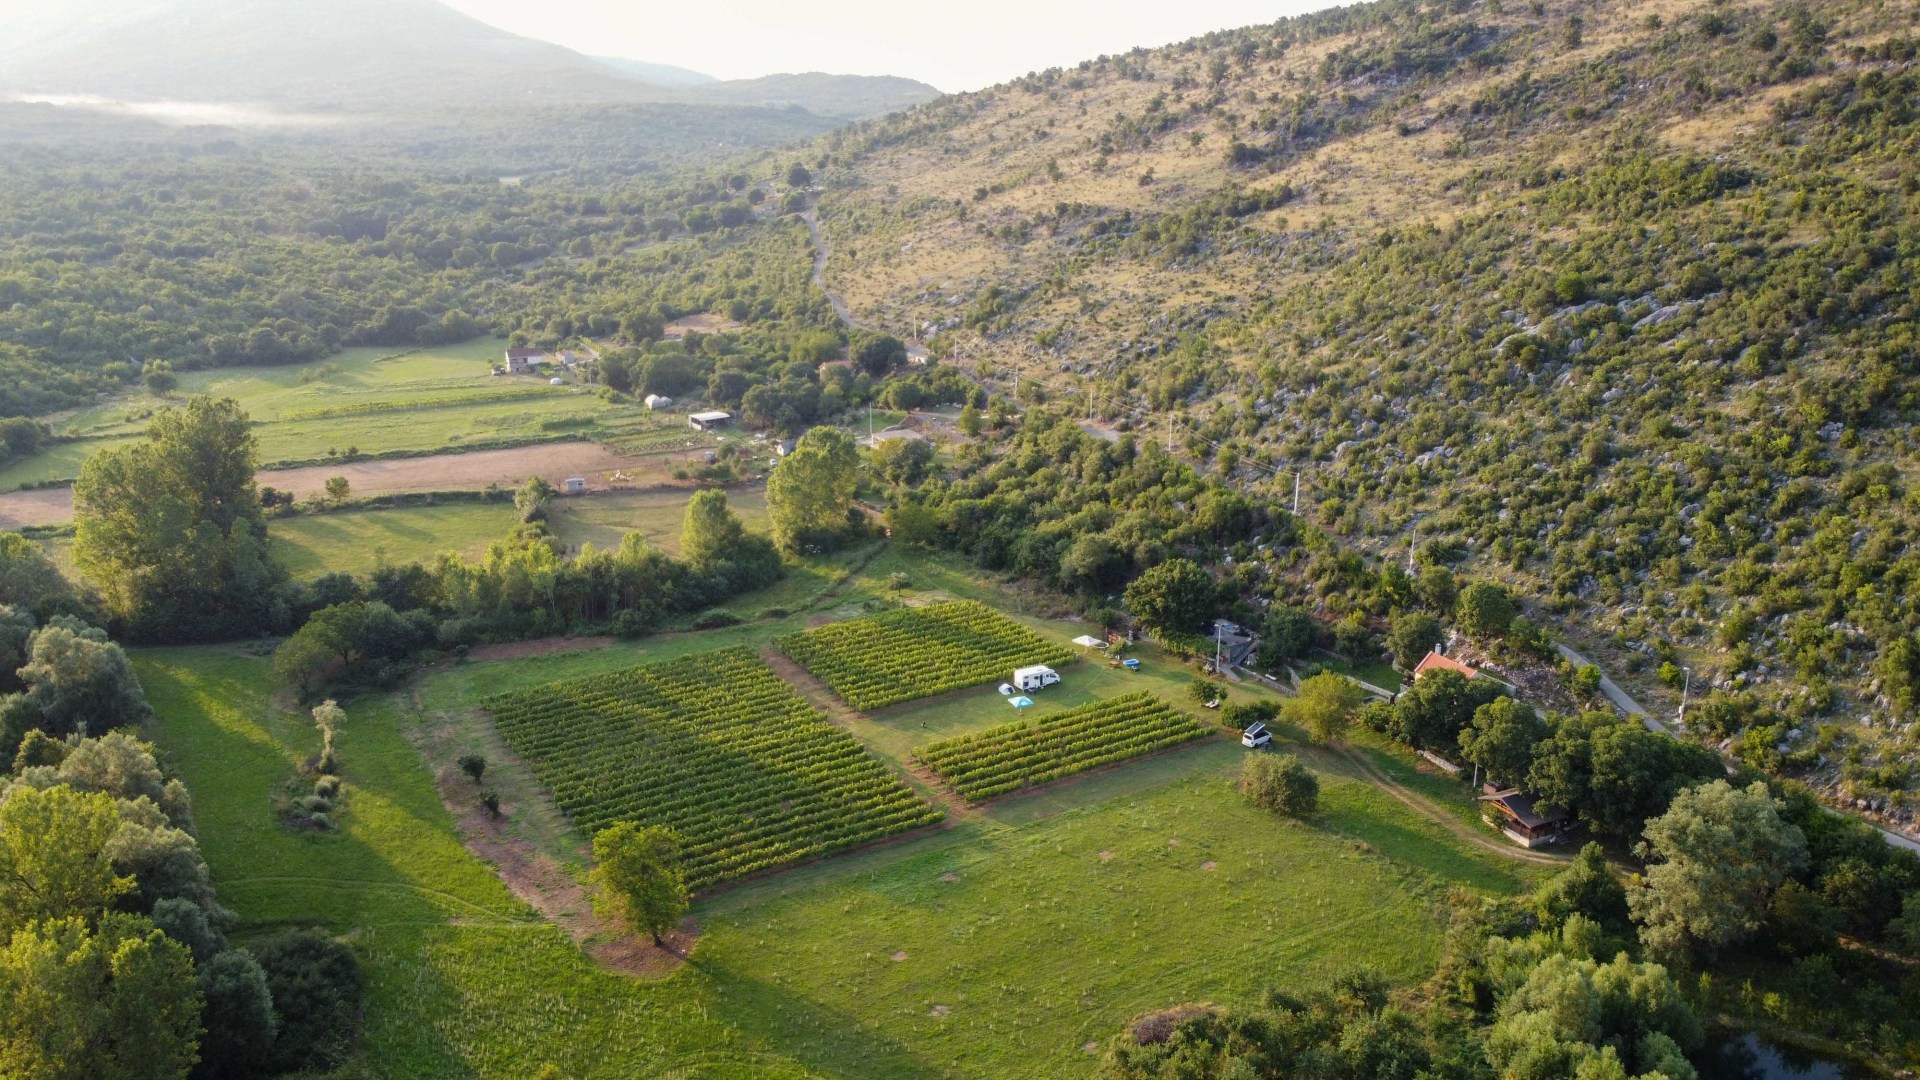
(714, 746)
(910, 653)
(1013, 756)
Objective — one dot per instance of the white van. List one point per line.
(1035, 677)
(1256, 737)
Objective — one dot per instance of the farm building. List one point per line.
(784, 447)
(521, 361)
(574, 485)
(1236, 643)
(658, 401)
(1522, 821)
(1434, 661)
(708, 421)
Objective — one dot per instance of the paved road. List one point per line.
(1616, 695)
(1633, 708)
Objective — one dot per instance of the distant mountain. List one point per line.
(654, 74)
(848, 96)
(388, 55)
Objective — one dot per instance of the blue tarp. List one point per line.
(1133, 665)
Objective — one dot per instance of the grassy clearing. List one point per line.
(372, 400)
(998, 947)
(356, 541)
(602, 519)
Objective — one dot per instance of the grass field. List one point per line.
(602, 519)
(355, 541)
(998, 947)
(373, 400)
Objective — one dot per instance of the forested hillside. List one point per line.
(1614, 301)
(206, 251)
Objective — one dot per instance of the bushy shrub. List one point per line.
(317, 986)
(1278, 782)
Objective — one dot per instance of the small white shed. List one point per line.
(574, 485)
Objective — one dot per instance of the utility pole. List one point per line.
(1413, 543)
(1685, 689)
(1216, 647)
(1296, 492)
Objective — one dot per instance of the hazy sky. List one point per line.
(954, 46)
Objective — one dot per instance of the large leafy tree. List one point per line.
(76, 681)
(1176, 595)
(1325, 705)
(810, 493)
(1717, 856)
(170, 530)
(1412, 635)
(1484, 610)
(1437, 707)
(1501, 738)
(1614, 773)
(638, 877)
(55, 856)
(715, 544)
(115, 1001)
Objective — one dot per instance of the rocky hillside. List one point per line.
(1615, 301)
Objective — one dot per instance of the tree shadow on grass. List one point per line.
(825, 1040)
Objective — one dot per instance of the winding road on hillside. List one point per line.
(1633, 708)
(821, 251)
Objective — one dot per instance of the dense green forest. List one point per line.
(219, 250)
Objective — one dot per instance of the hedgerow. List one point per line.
(1026, 752)
(714, 746)
(910, 653)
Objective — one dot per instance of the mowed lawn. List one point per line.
(998, 947)
(603, 519)
(370, 400)
(355, 541)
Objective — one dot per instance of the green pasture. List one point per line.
(369, 400)
(355, 541)
(603, 519)
(1001, 946)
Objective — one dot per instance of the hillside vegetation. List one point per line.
(1613, 301)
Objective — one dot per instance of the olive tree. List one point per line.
(638, 878)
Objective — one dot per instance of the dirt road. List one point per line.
(442, 472)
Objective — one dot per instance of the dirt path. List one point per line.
(547, 646)
(821, 251)
(1426, 808)
(844, 717)
(534, 877)
(600, 466)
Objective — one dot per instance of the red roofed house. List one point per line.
(1433, 661)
